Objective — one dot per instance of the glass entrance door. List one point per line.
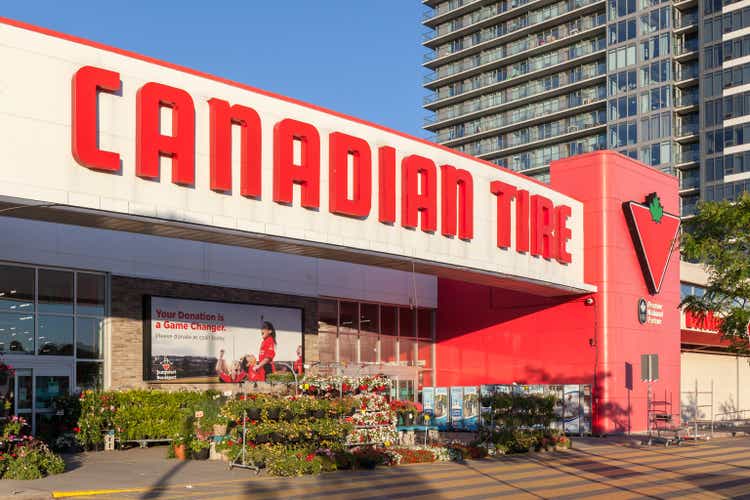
(35, 391)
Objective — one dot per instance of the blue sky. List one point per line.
(354, 56)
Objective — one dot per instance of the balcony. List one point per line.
(444, 10)
(514, 51)
(536, 90)
(502, 81)
(686, 131)
(687, 72)
(536, 20)
(687, 156)
(686, 21)
(691, 99)
(686, 49)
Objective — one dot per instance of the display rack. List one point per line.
(695, 423)
(660, 420)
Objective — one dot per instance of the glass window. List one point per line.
(16, 289)
(56, 335)
(327, 321)
(90, 375)
(48, 388)
(17, 333)
(90, 338)
(407, 350)
(348, 331)
(55, 291)
(388, 333)
(406, 323)
(369, 328)
(90, 292)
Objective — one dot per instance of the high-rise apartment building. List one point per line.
(524, 82)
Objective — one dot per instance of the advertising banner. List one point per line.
(428, 401)
(202, 341)
(572, 411)
(457, 408)
(441, 408)
(471, 409)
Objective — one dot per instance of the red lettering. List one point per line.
(418, 193)
(222, 117)
(543, 226)
(522, 221)
(386, 185)
(562, 234)
(340, 148)
(457, 185)
(505, 194)
(87, 83)
(286, 172)
(151, 144)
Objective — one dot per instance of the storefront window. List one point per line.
(16, 289)
(360, 332)
(55, 291)
(369, 328)
(388, 333)
(48, 388)
(348, 331)
(327, 321)
(55, 335)
(90, 294)
(90, 338)
(17, 333)
(424, 346)
(90, 375)
(407, 343)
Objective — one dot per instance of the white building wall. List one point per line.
(145, 256)
(730, 376)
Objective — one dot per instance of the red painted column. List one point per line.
(603, 181)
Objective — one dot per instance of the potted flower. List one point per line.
(180, 445)
(199, 449)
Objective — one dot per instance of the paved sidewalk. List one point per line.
(605, 468)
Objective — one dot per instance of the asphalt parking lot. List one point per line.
(595, 468)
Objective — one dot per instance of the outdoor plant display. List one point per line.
(330, 386)
(407, 411)
(138, 414)
(24, 457)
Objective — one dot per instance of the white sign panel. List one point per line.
(309, 175)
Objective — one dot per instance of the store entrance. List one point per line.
(32, 391)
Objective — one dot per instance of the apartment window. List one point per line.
(621, 8)
(622, 31)
(656, 46)
(621, 57)
(656, 20)
(623, 134)
(623, 107)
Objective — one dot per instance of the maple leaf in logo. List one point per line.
(655, 207)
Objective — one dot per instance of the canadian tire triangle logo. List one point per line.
(654, 234)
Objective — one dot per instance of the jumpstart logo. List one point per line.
(654, 234)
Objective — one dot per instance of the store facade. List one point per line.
(154, 217)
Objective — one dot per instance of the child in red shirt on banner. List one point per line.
(298, 366)
(267, 353)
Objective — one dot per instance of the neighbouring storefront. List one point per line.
(161, 227)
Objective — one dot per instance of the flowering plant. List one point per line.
(14, 427)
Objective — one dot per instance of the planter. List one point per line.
(261, 438)
(275, 437)
(287, 415)
(180, 452)
(201, 455)
(253, 413)
(408, 418)
(220, 429)
(273, 413)
(319, 414)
